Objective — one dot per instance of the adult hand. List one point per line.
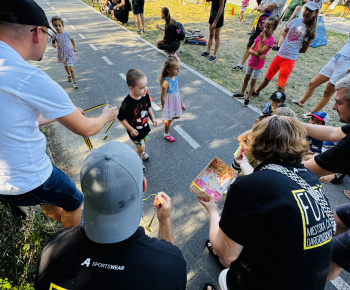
(110, 113)
(163, 204)
(210, 205)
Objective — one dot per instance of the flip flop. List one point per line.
(297, 103)
(347, 193)
(306, 115)
(206, 285)
(211, 252)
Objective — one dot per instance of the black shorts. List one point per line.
(252, 37)
(220, 22)
(137, 6)
(347, 4)
(341, 250)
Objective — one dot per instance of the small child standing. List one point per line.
(134, 112)
(242, 9)
(64, 51)
(262, 44)
(277, 101)
(317, 118)
(172, 104)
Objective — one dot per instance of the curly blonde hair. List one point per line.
(279, 139)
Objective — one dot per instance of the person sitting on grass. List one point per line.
(277, 100)
(262, 45)
(121, 11)
(169, 43)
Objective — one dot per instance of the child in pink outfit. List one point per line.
(243, 8)
(262, 44)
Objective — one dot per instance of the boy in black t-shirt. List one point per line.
(134, 112)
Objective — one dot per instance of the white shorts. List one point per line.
(336, 68)
(334, 4)
(243, 8)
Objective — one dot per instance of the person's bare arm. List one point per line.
(305, 46)
(42, 121)
(285, 32)
(315, 168)
(73, 43)
(266, 7)
(221, 7)
(163, 204)
(86, 127)
(226, 249)
(128, 127)
(163, 90)
(153, 119)
(296, 10)
(325, 133)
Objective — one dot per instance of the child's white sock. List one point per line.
(165, 134)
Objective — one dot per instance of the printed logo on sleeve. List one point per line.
(316, 227)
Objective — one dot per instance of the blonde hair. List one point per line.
(279, 139)
(285, 111)
(167, 65)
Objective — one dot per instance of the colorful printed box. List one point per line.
(214, 179)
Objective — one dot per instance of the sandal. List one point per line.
(211, 252)
(347, 193)
(206, 285)
(297, 103)
(306, 115)
(169, 138)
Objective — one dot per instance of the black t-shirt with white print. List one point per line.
(136, 113)
(337, 158)
(71, 261)
(285, 236)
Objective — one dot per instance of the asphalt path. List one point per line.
(209, 127)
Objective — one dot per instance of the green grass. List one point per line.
(233, 43)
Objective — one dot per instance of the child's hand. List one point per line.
(134, 132)
(183, 107)
(157, 26)
(348, 71)
(54, 45)
(75, 50)
(262, 35)
(262, 57)
(155, 123)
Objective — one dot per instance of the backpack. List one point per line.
(179, 30)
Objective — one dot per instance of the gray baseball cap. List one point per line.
(112, 182)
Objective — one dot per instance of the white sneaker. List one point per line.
(145, 156)
(342, 19)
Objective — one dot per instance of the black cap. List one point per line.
(278, 96)
(26, 12)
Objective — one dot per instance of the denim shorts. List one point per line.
(254, 73)
(57, 190)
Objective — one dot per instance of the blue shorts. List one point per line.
(57, 190)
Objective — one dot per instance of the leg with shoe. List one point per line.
(167, 136)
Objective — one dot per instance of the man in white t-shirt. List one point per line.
(30, 98)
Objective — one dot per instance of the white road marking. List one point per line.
(105, 58)
(65, 20)
(123, 76)
(73, 27)
(53, 8)
(187, 137)
(340, 284)
(82, 36)
(155, 106)
(93, 46)
(58, 13)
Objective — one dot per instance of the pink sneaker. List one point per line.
(169, 138)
